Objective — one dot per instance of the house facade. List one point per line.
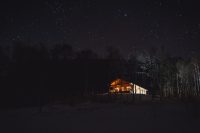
(121, 86)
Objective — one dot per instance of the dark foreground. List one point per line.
(103, 118)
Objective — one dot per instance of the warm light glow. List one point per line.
(123, 86)
(117, 89)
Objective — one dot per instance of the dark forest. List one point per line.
(35, 75)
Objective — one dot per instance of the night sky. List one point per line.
(140, 24)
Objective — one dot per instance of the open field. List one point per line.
(95, 117)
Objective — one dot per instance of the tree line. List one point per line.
(36, 74)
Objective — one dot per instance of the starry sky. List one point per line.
(96, 24)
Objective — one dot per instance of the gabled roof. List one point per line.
(119, 82)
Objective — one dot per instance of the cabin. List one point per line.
(121, 86)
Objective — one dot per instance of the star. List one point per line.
(180, 15)
(125, 14)
(160, 3)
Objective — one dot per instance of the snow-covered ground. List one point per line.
(102, 118)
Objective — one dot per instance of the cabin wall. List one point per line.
(139, 90)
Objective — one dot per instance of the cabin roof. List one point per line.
(119, 82)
